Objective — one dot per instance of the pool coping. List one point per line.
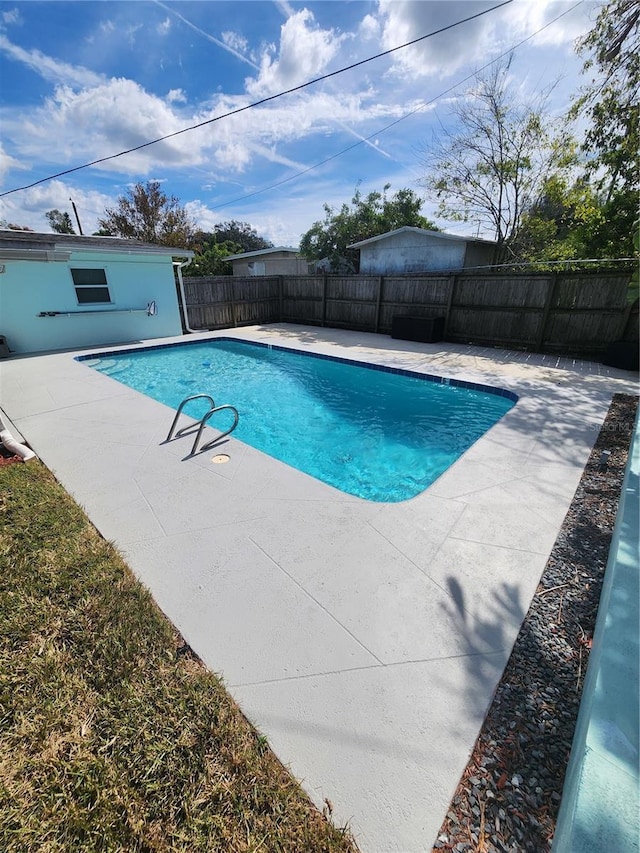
(366, 640)
(427, 377)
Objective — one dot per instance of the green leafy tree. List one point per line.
(611, 234)
(242, 234)
(574, 221)
(491, 168)
(227, 238)
(366, 217)
(611, 100)
(60, 221)
(211, 259)
(573, 218)
(146, 213)
(557, 226)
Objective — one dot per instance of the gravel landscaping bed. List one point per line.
(509, 795)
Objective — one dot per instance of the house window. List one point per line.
(91, 286)
(256, 267)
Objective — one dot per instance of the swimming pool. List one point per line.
(377, 433)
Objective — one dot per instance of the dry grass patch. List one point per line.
(112, 735)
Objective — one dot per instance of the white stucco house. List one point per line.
(410, 249)
(60, 291)
(281, 260)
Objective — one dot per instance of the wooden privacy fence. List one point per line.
(570, 312)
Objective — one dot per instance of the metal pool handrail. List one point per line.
(202, 422)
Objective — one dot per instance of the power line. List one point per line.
(398, 120)
(255, 103)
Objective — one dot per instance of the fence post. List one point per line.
(378, 303)
(453, 278)
(545, 313)
(281, 298)
(324, 299)
(233, 304)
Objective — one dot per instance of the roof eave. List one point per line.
(441, 235)
(256, 252)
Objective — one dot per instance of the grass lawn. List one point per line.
(113, 736)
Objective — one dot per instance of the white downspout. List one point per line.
(178, 265)
(25, 453)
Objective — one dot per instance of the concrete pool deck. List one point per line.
(364, 639)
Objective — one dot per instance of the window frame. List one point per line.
(83, 287)
(257, 267)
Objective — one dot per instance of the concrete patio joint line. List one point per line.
(315, 600)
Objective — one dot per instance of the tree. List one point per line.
(573, 220)
(558, 224)
(366, 217)
(242, 234)
(59, 221)
(210, 259)
(492, 168)
(227, 238)
(146, 213)
(611, 100)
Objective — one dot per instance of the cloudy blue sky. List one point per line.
(85, 80)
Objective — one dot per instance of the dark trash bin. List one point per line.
(622, 354)
(428, 330)
(4, 347)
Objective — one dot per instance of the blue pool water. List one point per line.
(375, 433)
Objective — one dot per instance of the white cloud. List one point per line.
(235, 41)
(525, 18)
(474, 42)
(163, 27)
(305, 52)
(130, 32)
(271, 155)
(11, 16)
(234, 155)
(98, 122)
(176, 96)
(369, 28)
(53, 70)
(107, 27)
(203, 216)
(7, 163)
(281, 230)
(29, 207)
(441, 55)
(118, 114)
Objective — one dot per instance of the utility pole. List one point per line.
(73, 204)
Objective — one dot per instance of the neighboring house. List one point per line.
(279, 261)
(60, 291)
(409, 249)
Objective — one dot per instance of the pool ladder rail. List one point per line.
(201, 423)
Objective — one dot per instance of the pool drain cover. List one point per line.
(220, 459)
